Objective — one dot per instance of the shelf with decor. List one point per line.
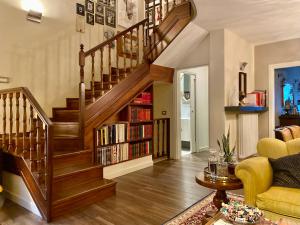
(129, 135)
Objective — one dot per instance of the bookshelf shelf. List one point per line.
(132, 128)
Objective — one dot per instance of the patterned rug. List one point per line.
(195, 214)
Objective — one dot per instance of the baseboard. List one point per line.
(16, 191)
(124, 168)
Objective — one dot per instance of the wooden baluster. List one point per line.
(137, 46)
(93, 76)
(124, 55)
(160, 11)
(131, 51)
(163, 137)
(39, 148)
(101, 71)
(109, 66)
(158, 139)
(167, 5)
(168, 137)
(10, 135)
(25, 150)
(81, 96)
(4, 147)
(17, 123)
(117, 62)
(45, 164)
(32, 150)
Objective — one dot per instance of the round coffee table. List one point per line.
(220, 186)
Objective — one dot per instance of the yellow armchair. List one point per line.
(256, 175)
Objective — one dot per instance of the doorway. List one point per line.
(192, 110)
(188, 110)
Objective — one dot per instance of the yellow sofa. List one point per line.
(257, 175)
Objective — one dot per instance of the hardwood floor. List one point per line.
(149, 196)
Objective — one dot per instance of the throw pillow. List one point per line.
(286, 171)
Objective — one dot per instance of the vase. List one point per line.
(231, 168)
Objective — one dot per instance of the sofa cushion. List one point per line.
(293, 146)
(271, 148)
(295, 130)
(286, 171)
(285, 201)
(286, 134)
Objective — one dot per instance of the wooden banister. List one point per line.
(35, 144)
(109, 41)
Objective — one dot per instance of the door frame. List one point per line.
(272, 69)
(176, 154)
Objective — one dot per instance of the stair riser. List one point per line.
(74, 103)
(65, 116)
(66, 144)
(66, 129)
(77, 178)
(82, 200)
(71, 160)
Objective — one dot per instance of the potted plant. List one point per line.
(228, 153)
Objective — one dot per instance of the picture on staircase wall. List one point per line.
(89, 5)
(90, 18)
(80, 9)
(100, 9)
(110, 17)
(127, 13)
(99, 19)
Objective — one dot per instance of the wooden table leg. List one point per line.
(219, 198)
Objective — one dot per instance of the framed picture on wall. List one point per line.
(80, 9)
(127, 13)
(105, 2)
(111, 3)
(100, 9)
(110, 17)
(99, 19)
(89, 5)
(90, 18)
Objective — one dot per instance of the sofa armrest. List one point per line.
(256, 175)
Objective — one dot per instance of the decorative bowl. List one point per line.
(238, 213)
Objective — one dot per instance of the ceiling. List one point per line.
(258, 21)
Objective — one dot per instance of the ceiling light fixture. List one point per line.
(35, 10)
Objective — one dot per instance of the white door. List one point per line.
(193, 113)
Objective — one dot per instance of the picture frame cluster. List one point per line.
(102, 12)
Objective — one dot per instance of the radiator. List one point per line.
(247, 135)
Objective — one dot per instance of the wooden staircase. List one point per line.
(55, 157)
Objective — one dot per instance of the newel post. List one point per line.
(81, 95)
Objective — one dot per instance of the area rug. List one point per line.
(195, 214)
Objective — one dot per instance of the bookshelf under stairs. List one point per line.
(58, 157)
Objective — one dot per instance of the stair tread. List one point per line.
(77, 190)
(70, 169)
(65, 136)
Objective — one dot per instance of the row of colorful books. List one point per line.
(256, 98)
(121, 152)
(112, 154)
(140, 114)
(140, 131)
(140, 149)
(112, 134)
(145, 97)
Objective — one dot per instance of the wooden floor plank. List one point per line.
(147, 197)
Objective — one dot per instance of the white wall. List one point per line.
(237, 50)
(16, 191)
(284, 52)
(48, 64)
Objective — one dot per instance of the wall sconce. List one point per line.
(34, 8)
(243, 65)
(34, 16)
